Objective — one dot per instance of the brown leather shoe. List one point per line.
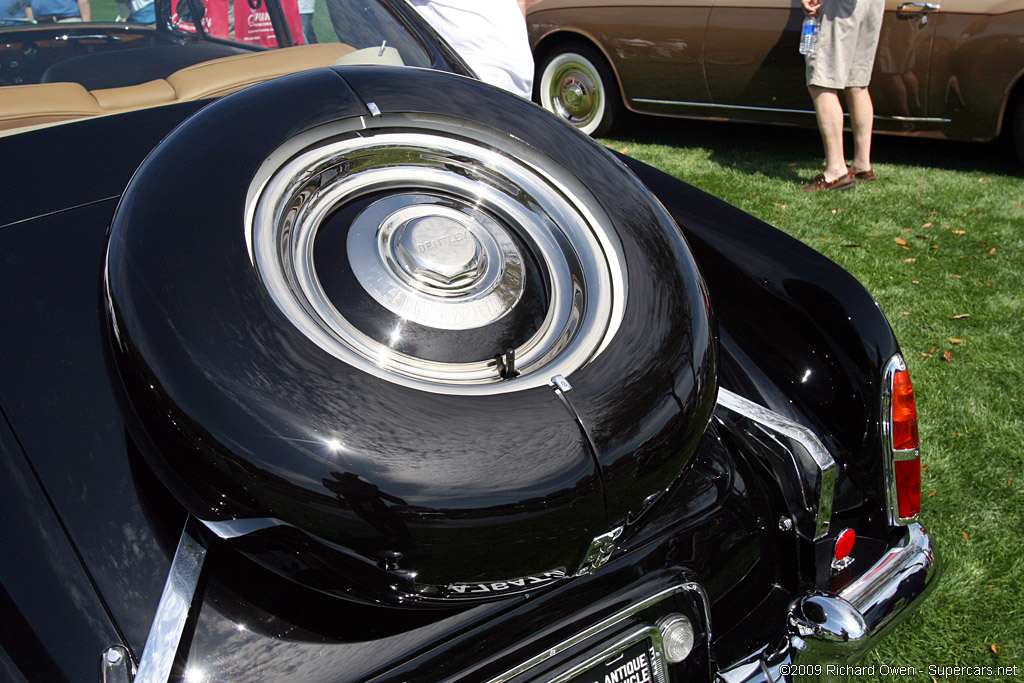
(843, 182)
(865, 175)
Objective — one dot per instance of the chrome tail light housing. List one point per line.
(900, 444)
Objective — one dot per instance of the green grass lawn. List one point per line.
(938, 240)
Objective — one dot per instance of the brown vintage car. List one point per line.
(946, 69)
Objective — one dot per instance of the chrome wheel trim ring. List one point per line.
(570, 77)
(547, 208)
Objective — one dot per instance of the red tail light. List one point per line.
(904, 413)
(903, 466)
(908, 487)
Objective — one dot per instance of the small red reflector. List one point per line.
(904, 413)
(844, 544)
(908, 487)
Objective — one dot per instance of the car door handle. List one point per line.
(912, 8)
(906, 10)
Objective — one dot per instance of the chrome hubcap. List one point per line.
(574, 94)
(437, 251)
(435, 261)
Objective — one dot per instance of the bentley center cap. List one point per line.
(439, 250)
(435, 261)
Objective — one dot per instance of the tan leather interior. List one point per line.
(135, 96)
(31, 105)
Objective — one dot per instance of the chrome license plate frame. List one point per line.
(636, 658)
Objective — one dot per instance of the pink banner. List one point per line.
(254, 25)
(251, 26)
(215, 17)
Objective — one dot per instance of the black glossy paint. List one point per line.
(245, 417)
(709, 526)
(817, 357)
(85, 171)
(50, 617)
(248, 418)
(52, 374)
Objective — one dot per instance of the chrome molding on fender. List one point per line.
(778, 110)
(172, 612)
(820, 493)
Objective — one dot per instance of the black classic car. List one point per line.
(372, 372)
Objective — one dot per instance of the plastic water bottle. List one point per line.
(808, 35)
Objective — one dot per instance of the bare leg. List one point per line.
(862, 115)
(830, 124)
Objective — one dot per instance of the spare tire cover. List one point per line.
(401, 336)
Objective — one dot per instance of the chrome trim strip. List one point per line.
(810, 112)
(914, 119)
(173, 610)
(710, 105)
(889, 454)
(235, 528)
(612, 621)
(822, 459)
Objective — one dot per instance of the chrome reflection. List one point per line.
(435, 262)
(481, 195)
(172, 612)
(819, 493)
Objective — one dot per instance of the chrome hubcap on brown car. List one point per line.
(575, 95)
(571, 87)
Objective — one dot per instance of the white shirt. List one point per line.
(489, 34)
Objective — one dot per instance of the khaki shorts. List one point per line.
(847, 40)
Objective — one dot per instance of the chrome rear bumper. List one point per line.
(828, 631)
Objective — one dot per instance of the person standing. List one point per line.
(489, 34)
(842, 60)
(306, 10)
(61, 10)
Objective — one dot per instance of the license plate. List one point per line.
(638, 662)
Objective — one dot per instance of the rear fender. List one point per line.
(798, 334)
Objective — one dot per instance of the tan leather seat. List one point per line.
(42, 103)
(228, 74)
(32, 105)
(139, 96)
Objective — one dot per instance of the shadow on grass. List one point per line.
(795, 154)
